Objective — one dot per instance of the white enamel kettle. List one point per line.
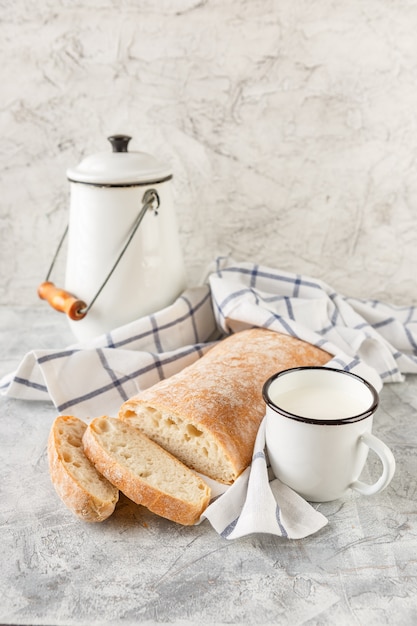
(124, 258)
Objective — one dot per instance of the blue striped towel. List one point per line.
(375, 340)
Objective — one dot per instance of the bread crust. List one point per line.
(76, 494)
(138, 489)
(221, 393)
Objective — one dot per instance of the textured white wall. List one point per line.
(290, 126)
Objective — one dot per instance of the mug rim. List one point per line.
(313, 420)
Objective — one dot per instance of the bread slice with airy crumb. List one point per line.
(145, 472)
(77, 482)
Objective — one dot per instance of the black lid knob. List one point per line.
(119, 142)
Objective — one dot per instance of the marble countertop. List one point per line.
(136, 568)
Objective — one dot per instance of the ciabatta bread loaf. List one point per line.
(208, 414)
(145, 472)
(77, 482)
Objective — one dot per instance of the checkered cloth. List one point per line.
(375, 340)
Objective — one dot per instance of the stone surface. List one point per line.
(136, 568)
(290, 128)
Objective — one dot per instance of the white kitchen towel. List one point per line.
(373, 339)
(258, 502)
(94, 378)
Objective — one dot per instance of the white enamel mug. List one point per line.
(319, 432)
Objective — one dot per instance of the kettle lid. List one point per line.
(119, 167)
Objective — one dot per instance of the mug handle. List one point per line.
(388, 466)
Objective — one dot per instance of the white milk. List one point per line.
(316, 403)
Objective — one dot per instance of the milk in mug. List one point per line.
(312, 402)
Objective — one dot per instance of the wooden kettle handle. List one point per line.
(62, 301)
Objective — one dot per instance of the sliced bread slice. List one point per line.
(144, 471)
(77, 482)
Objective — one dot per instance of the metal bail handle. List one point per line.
(65, 302)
